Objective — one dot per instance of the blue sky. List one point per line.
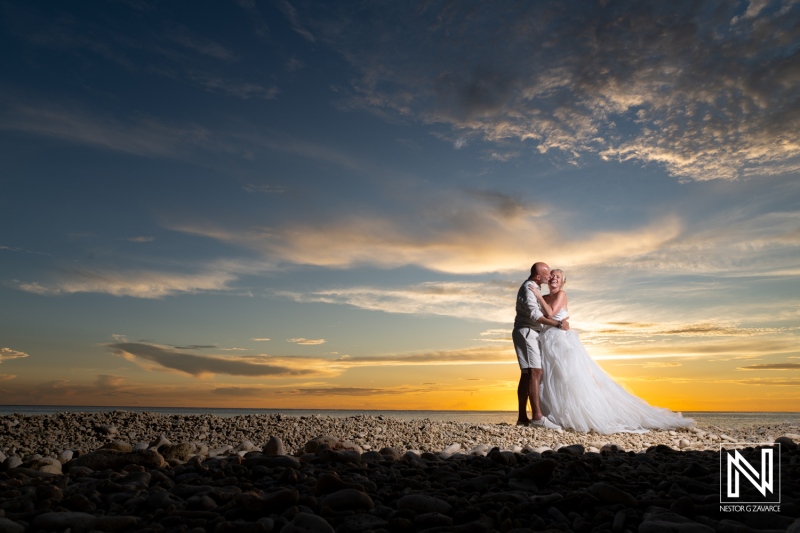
(366, 185)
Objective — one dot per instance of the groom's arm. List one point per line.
(562, 324)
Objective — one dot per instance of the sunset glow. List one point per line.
(331, 206)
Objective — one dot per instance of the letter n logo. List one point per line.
(763, 480)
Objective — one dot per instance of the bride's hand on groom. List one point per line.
(565, 324)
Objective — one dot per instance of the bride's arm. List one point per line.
(550, 310)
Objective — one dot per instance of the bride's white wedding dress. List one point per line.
(576, 393)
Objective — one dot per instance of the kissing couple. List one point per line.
(565, 387)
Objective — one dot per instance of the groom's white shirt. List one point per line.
(528, 310)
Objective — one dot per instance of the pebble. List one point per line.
(263, 473)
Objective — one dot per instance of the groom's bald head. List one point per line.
(540, 273)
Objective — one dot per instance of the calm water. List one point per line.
(703, 418)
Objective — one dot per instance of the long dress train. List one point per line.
(576, 393)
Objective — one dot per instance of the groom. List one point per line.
(527, 326)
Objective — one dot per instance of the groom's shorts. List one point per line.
(526, 343)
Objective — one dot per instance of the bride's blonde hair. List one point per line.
(563, 275)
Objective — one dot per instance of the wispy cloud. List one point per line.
(23, 250)
(479, 232)
(476, 301)
(261, 339)
(201, 365)
(237, 88)
(272, 189)
(152, 284)
(141, 238)
(138, 135)
(7, 377)
(202, 45)
(306, 342)
(772, 366)
(6, 354)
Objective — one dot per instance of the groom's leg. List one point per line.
(534, 382)
(522, 397)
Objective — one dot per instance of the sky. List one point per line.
(317, 205)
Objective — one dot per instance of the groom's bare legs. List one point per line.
(522, 397)
(528, 390)
(535, 379)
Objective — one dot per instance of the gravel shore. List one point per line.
(126, 471)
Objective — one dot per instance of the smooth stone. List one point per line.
(181, 451)
(49, 492)
(662, 526)
(45, 464)
(308, 523)
(392, 454)
(162, 440)
(429, 520)
(683, 443)
(314, 444)
(422, 503)
(327, 483)
(245, 446)
(453, 448)
(2, 456)
(104, 459)
(274, 446)
(12, 461)
(65, 456)
(118, 445)
(220, 451)
(272, 461)
(540, 471)
(503, 457)
(61, 521)
(347, 499)
(573, 449)
(9, 526)
(480, 449)
(786, 443)
(611, 494)
(139, 447)
(112, 524)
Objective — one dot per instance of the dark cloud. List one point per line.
(348, 391)
(696, 86)
(772, 366)
(197, 365)
(196, 347)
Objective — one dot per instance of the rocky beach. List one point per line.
(128, 471)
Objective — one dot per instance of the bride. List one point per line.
(576, 393)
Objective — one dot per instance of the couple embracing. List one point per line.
(564, 386)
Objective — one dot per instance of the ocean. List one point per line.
(702, 418)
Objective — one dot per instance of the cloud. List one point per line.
(467, 233)
(7, 377)
(772, 366)
(239, 89)
(271, 189)
(470, 300)
(140, 283)
(704, 90)
(201, 365)
(15, 249)
(261, 339)
(7, 354)
(203, 46)
(141, 238)
(771, 382)
(140, 135)
(291, 13)
(306, 342)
